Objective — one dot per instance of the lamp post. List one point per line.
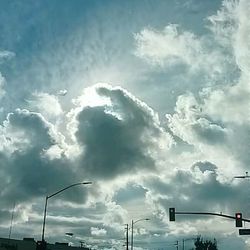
(49, 196)
(132, 230)
(126, 236)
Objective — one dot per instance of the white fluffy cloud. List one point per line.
(173, 46)
(167, 46)
(211, 119)
(98, 231)
(211, 127)
(221, 114)
(230, 25)
(46, 104)
(191, 124)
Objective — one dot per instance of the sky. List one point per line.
(147, 99)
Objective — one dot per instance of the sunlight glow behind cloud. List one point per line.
(78, 102)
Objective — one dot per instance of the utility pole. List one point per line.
(11, 221)
(126, 236)
(132, 233)
(177, 245)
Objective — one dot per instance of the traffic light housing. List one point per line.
(172, 214)
(238, 219)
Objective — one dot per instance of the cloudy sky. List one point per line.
(148, 99)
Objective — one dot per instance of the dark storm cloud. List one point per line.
(205, 166)
(26, 171)
(197, 190)
(129, 193)
(117, 138)
(5, 216)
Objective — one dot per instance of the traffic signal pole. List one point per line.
(213, 214)
(237, 217)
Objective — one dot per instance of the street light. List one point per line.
(242, 176)
(132, 230)
(49, 196)
(69, 234)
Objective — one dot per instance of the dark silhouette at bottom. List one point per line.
(200, 244)
(41, 245)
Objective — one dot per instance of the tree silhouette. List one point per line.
(200, 244)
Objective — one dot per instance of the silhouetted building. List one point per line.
(31, 244)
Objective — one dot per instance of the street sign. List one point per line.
(244, 231)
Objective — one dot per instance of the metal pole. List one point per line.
(215, 214)
(12, 216)
(183, 242)
(132, 232)
(44, 216)
(126, 236)
(177, 245)
(70, 186)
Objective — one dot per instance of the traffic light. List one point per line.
(172, 214)
(238, 219)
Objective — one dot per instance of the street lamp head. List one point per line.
(242, 176)
(86, 182)
(144, 219)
